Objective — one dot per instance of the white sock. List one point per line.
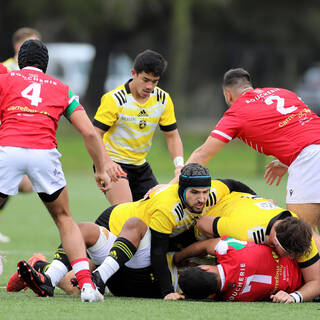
(108, 268)
(56, 271)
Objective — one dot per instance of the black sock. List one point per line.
(122, 250)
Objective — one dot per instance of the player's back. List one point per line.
(31, 105)
(254, 272)
(276, 122)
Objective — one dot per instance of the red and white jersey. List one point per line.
(272, 121)
(3, 69)
(253, 272)
(31, 104)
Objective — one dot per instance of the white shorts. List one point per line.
(303, 184)
(102, 247)
(42, 166)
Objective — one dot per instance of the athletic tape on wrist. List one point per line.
(297, 297)
(178, 161)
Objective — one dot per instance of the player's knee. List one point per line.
(136, 226)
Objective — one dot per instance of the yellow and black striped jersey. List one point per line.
(250, 218)
(130, 125)
(11, 64)
(163, 210)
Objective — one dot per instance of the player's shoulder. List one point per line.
(119, 95)
(161, 95)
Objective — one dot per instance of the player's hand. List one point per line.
(174, 296)
(281, 297)
(114, 171)
(275, 171)
(103, 181)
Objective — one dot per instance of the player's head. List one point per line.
(33, 53)
(194, 186)
(147, 69)
(23, 34)
(198, 284)
(150, 62)
(292, 237)
(235, 81)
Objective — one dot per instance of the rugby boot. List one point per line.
(38, 282)
(15, 283)
(90, 294)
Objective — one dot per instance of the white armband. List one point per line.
(178, 161)
(297, 297)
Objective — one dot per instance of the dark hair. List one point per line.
(295, 236)
(197, 283)
(33, 53)
(150, 62)
(237, 76)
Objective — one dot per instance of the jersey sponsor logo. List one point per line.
(161, 96)
(257, 234)
(121, 96)
(266, 205)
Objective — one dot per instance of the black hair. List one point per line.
(236, 77)
(150, 62)
(197, 283)
(33, 53)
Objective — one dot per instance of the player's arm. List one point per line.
(206, 226)
(207, 151)
(94, 145)
(196, 249)
(114, 170)
(175, 148)
(275, 170)
(159, 248)
(204, 153)
(237, 186)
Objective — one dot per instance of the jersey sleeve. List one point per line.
(167, 121)
(228, 127)
(162, 221)
(73, 105)
(311, 258)
(107, 113)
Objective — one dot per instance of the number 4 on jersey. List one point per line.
(32, 92)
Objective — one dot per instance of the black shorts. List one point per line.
(103, 219)
(139, 283)
(141, 179)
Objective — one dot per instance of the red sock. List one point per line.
(82, 271)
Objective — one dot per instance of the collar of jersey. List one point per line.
(32, 68)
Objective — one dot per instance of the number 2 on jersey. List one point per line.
(32, 92)
(280, 104)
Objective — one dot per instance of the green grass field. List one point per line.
(31, 230)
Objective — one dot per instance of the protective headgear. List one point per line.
(193, 175)
(33, 53)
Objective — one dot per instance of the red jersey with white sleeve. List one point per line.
(3, 69)
(253, 272)
(272, 121)
(31, 104)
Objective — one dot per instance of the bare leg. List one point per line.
(120, 192)
(70, 235)
(25, 185)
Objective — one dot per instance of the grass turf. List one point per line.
(31, 230)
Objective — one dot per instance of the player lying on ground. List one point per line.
(251, 218)
(245, 272)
